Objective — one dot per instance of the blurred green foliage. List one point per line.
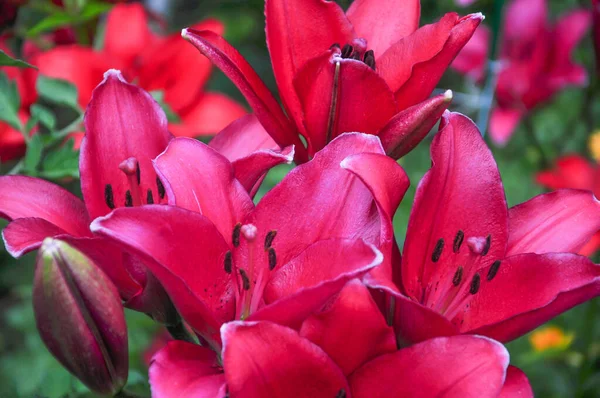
(28, 370)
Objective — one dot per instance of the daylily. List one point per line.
(345, 349)
(154, 63)
(125, 130)
(367, 70)
(220, 258)
(536, 61)
(574, 171)
(470, 265)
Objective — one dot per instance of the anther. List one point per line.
(138, 173)
(272, 259)
(335, 46)
(355, 55)
(486, 247)
(493, 270)
(108, 196)
(458, 240)
(458, 276)
(347, 51)
(437, 251)
(128, 199)
(245, 280)
(228, 262)
(475, 282)
(269, 239)
(161, 188)
(369, 59)
(149, 197)
(235, 235)
(341, 394)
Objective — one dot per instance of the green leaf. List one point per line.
(7, 60)
(44, 116)
(57, 91)
(62, 18)
(33, 154)
(9, 102)
(61, 162)
(159, 97)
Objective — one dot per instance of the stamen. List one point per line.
(269, 239)
(138, 173)
(128, 199)
(129, 166)
(335, 46)
(486, 247)
(437, 251)
(458, 240)
(228, 262)
(161, 188)
(341, 394)
(272, 259)
(245, 280)
(334, 99)
(149, 197)
(249, 232)
(369, 59)
(347, 51)
(493, 270)
(458, 276)
(475, 282)
(355, 55)
(235, 236)
(108, 196)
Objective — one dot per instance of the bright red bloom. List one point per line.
(536, 61)
(220, 258)
(472, 59)
(345, 345)
(470, 265)
(339, 72)
(576, 172)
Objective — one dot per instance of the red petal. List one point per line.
(557, 222)
(524, 20)
(211, 113)
(591, 246)
(462, 191)
(340, 96)
(571, 171)
(503, 122)
(301, 220)
(529, 290)
(413, 66)
(382, 31)
(127, 32)
(350, 329)
(408, 128)
(198, 178)
(516, 384)
(472, 59)
(24, 197)
(301, 286)
(26, 234)
(262, 359)
(186, 253)
(231, 62)
(12, 143)
(81, 66)
(122, 121)
(297, 31)
(459, 366)
(185, 370)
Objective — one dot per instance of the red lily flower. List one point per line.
(157, 63)
(264, 262)
(470, 265)
(348, 72)
(576, 172)
(126, 129)
(472, 59)
(536, 61)
(345, 349)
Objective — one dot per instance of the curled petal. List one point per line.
(516, 384)
(571, 171)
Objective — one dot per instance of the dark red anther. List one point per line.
(161, 188)
(108, 196)
(458, 240)
(437, 251)
(347, 51)
(493, 270)
(475, 283)
(128, 199)
(458, 276)
(149, 197)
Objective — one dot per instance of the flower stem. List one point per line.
(179, 332)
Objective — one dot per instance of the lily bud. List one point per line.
(405, 130)
(80, 318)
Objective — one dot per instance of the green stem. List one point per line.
(179, 332)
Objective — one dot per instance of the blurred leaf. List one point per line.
(61, 162)
(63, 18)
(57, 91)
(44, 116)
(159, 97)
(7, 60)
(9, 102)
(33, 154)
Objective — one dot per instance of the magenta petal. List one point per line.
(303, 285)
(527, 291)
(186, 253)
(242, 138)
(26, 234)
(185, 370)
(516, 384)
(352, 317)
(122, 121)
(26, 197)
(196, 177)
(262, 359)
(461, 192)
(556, 222)
(459, 366)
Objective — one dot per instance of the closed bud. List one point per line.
(80, 318)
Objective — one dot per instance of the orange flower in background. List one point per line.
(549, 338)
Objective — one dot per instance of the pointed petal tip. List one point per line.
(114, 73)
(477, 15)
(448, 95)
